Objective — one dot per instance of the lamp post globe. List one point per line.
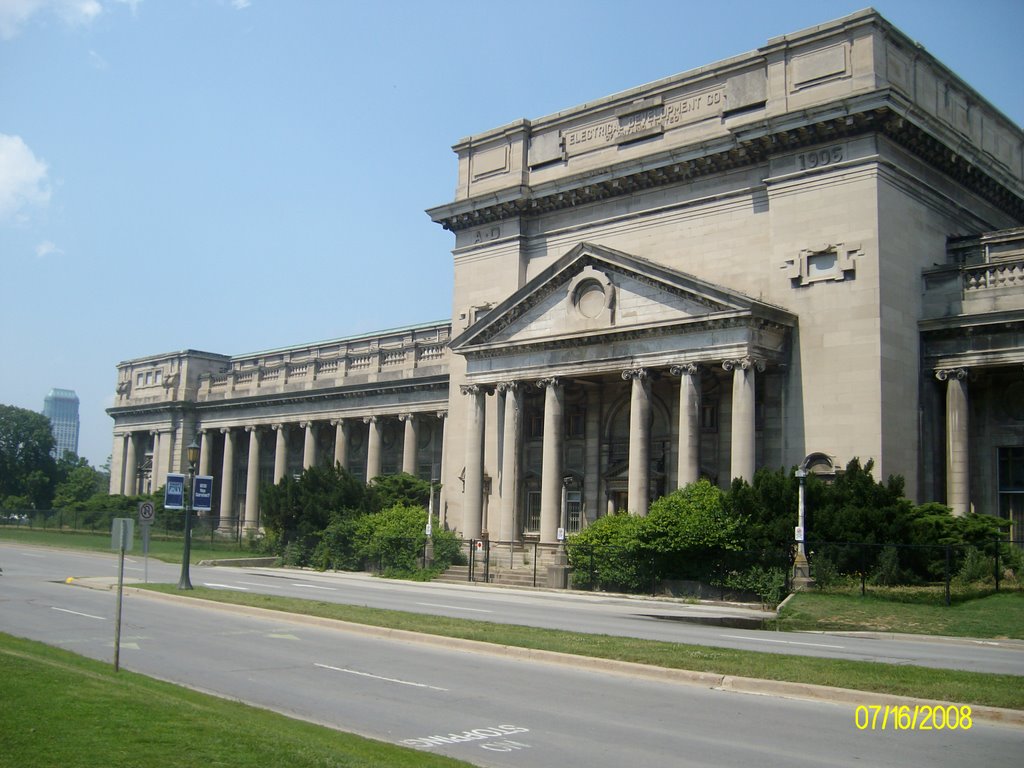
(192, 454)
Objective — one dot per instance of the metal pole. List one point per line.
(120, 590)
(185, 582)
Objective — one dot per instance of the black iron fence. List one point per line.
(949, 571)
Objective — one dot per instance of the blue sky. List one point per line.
(237, 175)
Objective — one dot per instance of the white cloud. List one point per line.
(239, 4)
(22, 177)
(97, 61)
(14, 14)
(48, 248)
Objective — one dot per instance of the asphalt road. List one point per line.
(486, 709)
(672, 621)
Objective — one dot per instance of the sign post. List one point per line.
(146, 514)
(122, 537)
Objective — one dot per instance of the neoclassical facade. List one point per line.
(814, 247)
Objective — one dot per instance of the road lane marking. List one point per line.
(455, 607)
(259, 584)
(78, 613)
(224, 586)
(378, 677)
(784, 642)
(315, 586)
(31, 554)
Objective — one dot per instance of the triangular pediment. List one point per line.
(594, 293)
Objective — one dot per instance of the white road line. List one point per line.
(31, 554)
(77, 613)
(224, 586)
(378, 677)
(455, 607)
(260, 584)
(315, 586)
(783, 642)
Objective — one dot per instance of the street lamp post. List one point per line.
(801, 568)
(193, 456)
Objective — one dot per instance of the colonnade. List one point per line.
(510, 408)
(128, 479)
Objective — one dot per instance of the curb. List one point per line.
(729, 683)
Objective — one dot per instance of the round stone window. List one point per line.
(590, 299)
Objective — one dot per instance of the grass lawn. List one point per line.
(997, 616)
(59, 709)
(168, 549)
(920, 682)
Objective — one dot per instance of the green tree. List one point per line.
(295, 512)
(607, 554)
(77, 485)
(27, 468)
(402, 489)
(689, 530)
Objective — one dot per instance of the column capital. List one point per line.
(370, 419)
(944, 374)
(252, 428)
(634, 373)
(278, 427)
(476, 389)
(442, 415)
(744, 363)
(685, 369)
(403, 417)
(336, 422)
(226, 430)
(550, 381)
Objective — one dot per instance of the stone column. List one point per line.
(473, 500)
(410, 443)
(592, 472)
(227, 483)
(280, 453)
(688, 466)
(373, 440)
(154, 470)
(551, 461)
(442, 498)
(639, 484)
(341, 442)
(204, 452)
(131, 467)
(743, 416)
(958, 482)
(510, 458)
(252, 482)
(309, 446)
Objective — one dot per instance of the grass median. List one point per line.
(60, 709)
(919, 682)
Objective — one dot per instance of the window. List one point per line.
(156, 377)
(709, 417)
(575, 423)
(149, 378)
(1011, 489)
(141, 379)
(573, 510)
(532, 512)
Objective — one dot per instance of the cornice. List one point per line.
(881, 112)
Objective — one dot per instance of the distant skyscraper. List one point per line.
(61, 406)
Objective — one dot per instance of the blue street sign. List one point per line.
(202, 493)
(174, 492)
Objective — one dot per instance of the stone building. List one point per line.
(814, 247)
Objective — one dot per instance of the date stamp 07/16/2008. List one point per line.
(920, 717)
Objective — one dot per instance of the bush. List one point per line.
(394, 538)
(767, 583)
(607, 554)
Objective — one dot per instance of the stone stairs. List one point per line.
(507, 567)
